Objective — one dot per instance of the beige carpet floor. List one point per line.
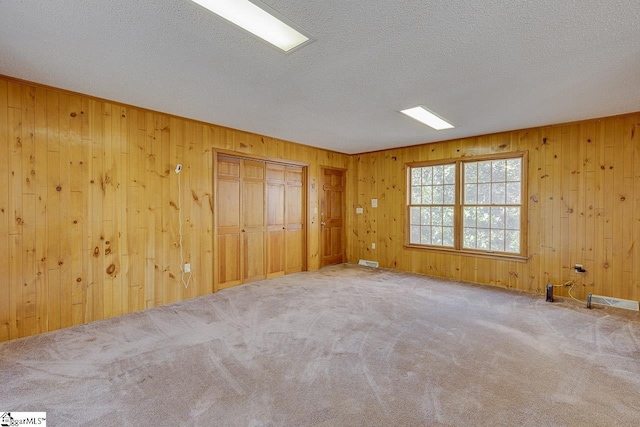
(344, 346)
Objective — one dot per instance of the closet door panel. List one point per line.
(253, 219)
(275, 220)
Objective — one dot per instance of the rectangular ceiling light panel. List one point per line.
(425, 116)
(257, 21)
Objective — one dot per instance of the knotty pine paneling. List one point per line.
(584, 207)
(89, 205)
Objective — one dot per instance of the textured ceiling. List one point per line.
(486, 66)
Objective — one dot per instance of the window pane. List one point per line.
(514, 169)
(482, 239)
(491, 205)
(437, 195)
(499, 168)
(438, 175)
(436, 215)
(469, 239)
(471, 173)
(450, 174)
(512, 241)
(513, 193)
(513, 218)
(498, 192)
(484, 194)
(484, 217)
(471, 194)
(426, 176)
(426, 196)
(415, 176)
(425, 236)
(497, 217)
(415, 234)
(497, 240)
(447, 236)
(447, 216)
(426, 216)
(415, 216)
(469, 215)
(416, 196)
(484, 171)
(436, 236)
(449, 194)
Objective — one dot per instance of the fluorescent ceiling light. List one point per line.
(252, 18)
(422, 115)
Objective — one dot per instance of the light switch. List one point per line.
(374, 203)
(359, 210)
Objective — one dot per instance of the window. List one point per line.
(468, 205)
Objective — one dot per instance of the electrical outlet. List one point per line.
(373, 246)
(187, 268)
(374, 203)
(359, 211)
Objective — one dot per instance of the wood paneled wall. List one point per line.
(584, 207)
(89, 205)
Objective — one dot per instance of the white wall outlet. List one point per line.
(373, 246)
(374, 203)
(359, 210)
(187, 268)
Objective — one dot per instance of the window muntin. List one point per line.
(491, 205)
(487, 214)
(433, 197)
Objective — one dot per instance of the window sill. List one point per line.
(477, 254)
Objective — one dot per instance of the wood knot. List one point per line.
(92, 181)
(58, 188)
(605, 265)
(75, 221)
(73, 114)
(107, 251)
(171, 275)
(79, 279)
(602, 167)
(622, 198)
(60, 263)
(19, 221)
(96, 251)
(111, 269)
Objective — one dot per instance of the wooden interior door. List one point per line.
(260, 216)
(332, 216)
(228, 224)
(295, 209)
(253, 220)
(276, 228)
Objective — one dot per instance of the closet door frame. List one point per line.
(243, 156)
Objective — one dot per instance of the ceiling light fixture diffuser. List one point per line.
(425, 116)
(257, 21)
